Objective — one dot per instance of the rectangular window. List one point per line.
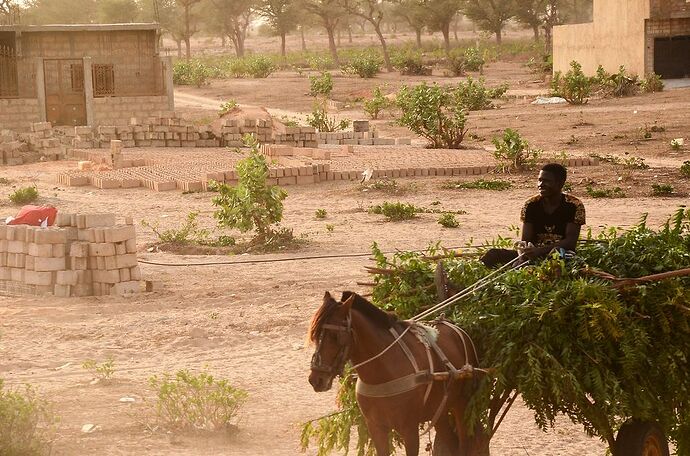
(103, 80)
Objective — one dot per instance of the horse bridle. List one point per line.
(344, 339)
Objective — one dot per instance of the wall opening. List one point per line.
(672, 57)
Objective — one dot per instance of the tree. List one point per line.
(529, 13)
(372, 12)
(439, 15)
(60, 11)
(329, 13)
(189, 26)
(117, 11)
(236, 15)
(281, 15)
(414, 13)
(490, 15)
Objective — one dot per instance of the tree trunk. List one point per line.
(282, 44)
(304, 42)
(418, 35)
(455, 28)
(384, 47)
(338, 37)
(223, 41)
(187, 34)
(445, 30)
(188, 46)
(331, 45)
(499, 36)
(349, 34)
(548, 38)
(535, 29)
(179, 49)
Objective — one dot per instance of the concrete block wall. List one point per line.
(83, 255)
(669, 8)
(122, 44)
(19, 113)
(117, 111)
(662, 28)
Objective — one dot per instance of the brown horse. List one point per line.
(393, 360)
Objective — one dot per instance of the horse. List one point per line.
(396, 361)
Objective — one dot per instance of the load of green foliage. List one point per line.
(567, 340)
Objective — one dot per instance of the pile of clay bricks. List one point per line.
(13, 151)
(280, 150)
(294, 136)
(232, 131)
(83, 255)
(42, 139)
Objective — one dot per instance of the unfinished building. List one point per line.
(643, 35)
(81, 74)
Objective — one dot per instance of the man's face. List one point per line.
(548, 184)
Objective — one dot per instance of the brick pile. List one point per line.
(42, 138)
(83, 255)
(13, 151)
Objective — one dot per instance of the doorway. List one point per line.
(65, 98)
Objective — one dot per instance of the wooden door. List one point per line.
(65, 99)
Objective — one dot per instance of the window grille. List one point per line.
(103, 80)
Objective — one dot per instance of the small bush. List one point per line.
(27, 423)
(259, 66)
(574, 87)
(619, 84)
(188, 233)
(481, 184)
(330, 227)
(388, 186)
(365, 64)
(321, 214)
(448, 220)
(456, 65)
(396, 211)
(629, 163)
(196, 402)
(434, 113)
(5, 181)
(376, 104)
(320, 62)
(227, 107)
(410, 63)
(615, 192)
(234, 68)
(473, 59)
(542, 65)
(473, 95)
(652, 83)
(191, 72)
(685, 168)
(514, 153)
(103, 372)
(677, 144)
(321, 85)
(320, 120)
(24, 195)
(662, 190)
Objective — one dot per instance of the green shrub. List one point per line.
(388, 186)
(321, 85)
(24, 195)
(320, 62)
(662, 189)
(252, 204)
(685, 168)
(188, 233)
(481, 184)
(191, 72)
(574, 87)
(514, 153)
(365, 64)
(196, 402)
(397, 211)
(619, 84)
(103, 372)
(448, 220)
(473, 59)
(376, 104)
(542, 65)
(631, 162)
(456, 65)
(409, 62)
(473, 95)
(321, 214)
(330, 227)
(434, 113)
(320, 120)
(259, 66)
(615, 192)
(27, 423)
(677, 144)
(227, 107)
(652, 83)
(234, 68)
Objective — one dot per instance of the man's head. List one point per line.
(551, 179)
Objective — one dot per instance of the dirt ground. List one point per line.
(247, 322)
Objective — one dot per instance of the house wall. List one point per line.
(664, 9)
(616, 37)
(663, 28)
(119, 110)
(19, 113)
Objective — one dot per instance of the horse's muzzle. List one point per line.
(320, 382)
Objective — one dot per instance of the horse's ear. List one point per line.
(346, 295)
(347, 304)
(327, 297)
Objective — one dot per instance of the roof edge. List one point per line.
(79, 27)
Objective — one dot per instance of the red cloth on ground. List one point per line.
(34, 215)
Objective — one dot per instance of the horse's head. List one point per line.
(331, 331)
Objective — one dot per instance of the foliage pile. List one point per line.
(481, 184)
(435, 113)
(619, 84)
(189, 233)
(662, 190)
(569, 342)
(396, 211)
(615, 192)
(24, 195)
(685, 168)
(227, 107)
(514, 153)
(473, 60)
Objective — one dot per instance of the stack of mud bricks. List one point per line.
(12, 151)
(280, 150)
(232, 131)
(167, 130)
(83, 138)
(361, 135)
(295, 136)
(84, 255)
(43, 140)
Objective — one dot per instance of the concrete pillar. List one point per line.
(168, 76)
(88, 90)
(41, 90)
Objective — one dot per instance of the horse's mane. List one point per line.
(379, 317)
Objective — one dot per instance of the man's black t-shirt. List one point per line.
(550, 228)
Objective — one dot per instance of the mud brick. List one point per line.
(424, 172)
(17, 247)
(79, 263)
(5, 273)
(19, 275)
(87, 235)
(135, 273)
(3, 232)
(125, 275)
(287, 180)
(100, 263)
(131, 245)
(84, 276)
(403, 141)
(92, 262)
(66, 277)
(62, 291)
(164, 186)
(63, 219)
(120, 233)
(125, 288)
(82, 290)
(38, 278)
(72, 233)
(3, 257)
(126, 261)
(40, 127)
(120, 248)
(49, 264)
(99, 235)
(59, 250)
(302, 180)
(41, 250)
(110, 263)
(16, 232)
(305, 171)
(130, 183)
(29, 262)
(102, 276)
(98, 220)
(440, 171)
(101, 249)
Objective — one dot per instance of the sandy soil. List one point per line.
(247, 322)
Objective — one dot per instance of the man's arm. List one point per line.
(569, 242)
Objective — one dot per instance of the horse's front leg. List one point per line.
(379, 434)
(410, 437)
(446, 440)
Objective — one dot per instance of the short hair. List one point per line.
(557, 170)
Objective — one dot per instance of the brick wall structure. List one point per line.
(666, 9)
(117, 111)
(663, 28)
(18, 113)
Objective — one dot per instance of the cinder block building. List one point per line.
(81, 74)
(644, 35)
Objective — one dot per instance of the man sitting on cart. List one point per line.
(551, 221)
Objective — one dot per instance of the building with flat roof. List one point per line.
(643, 35)
(82, 74)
